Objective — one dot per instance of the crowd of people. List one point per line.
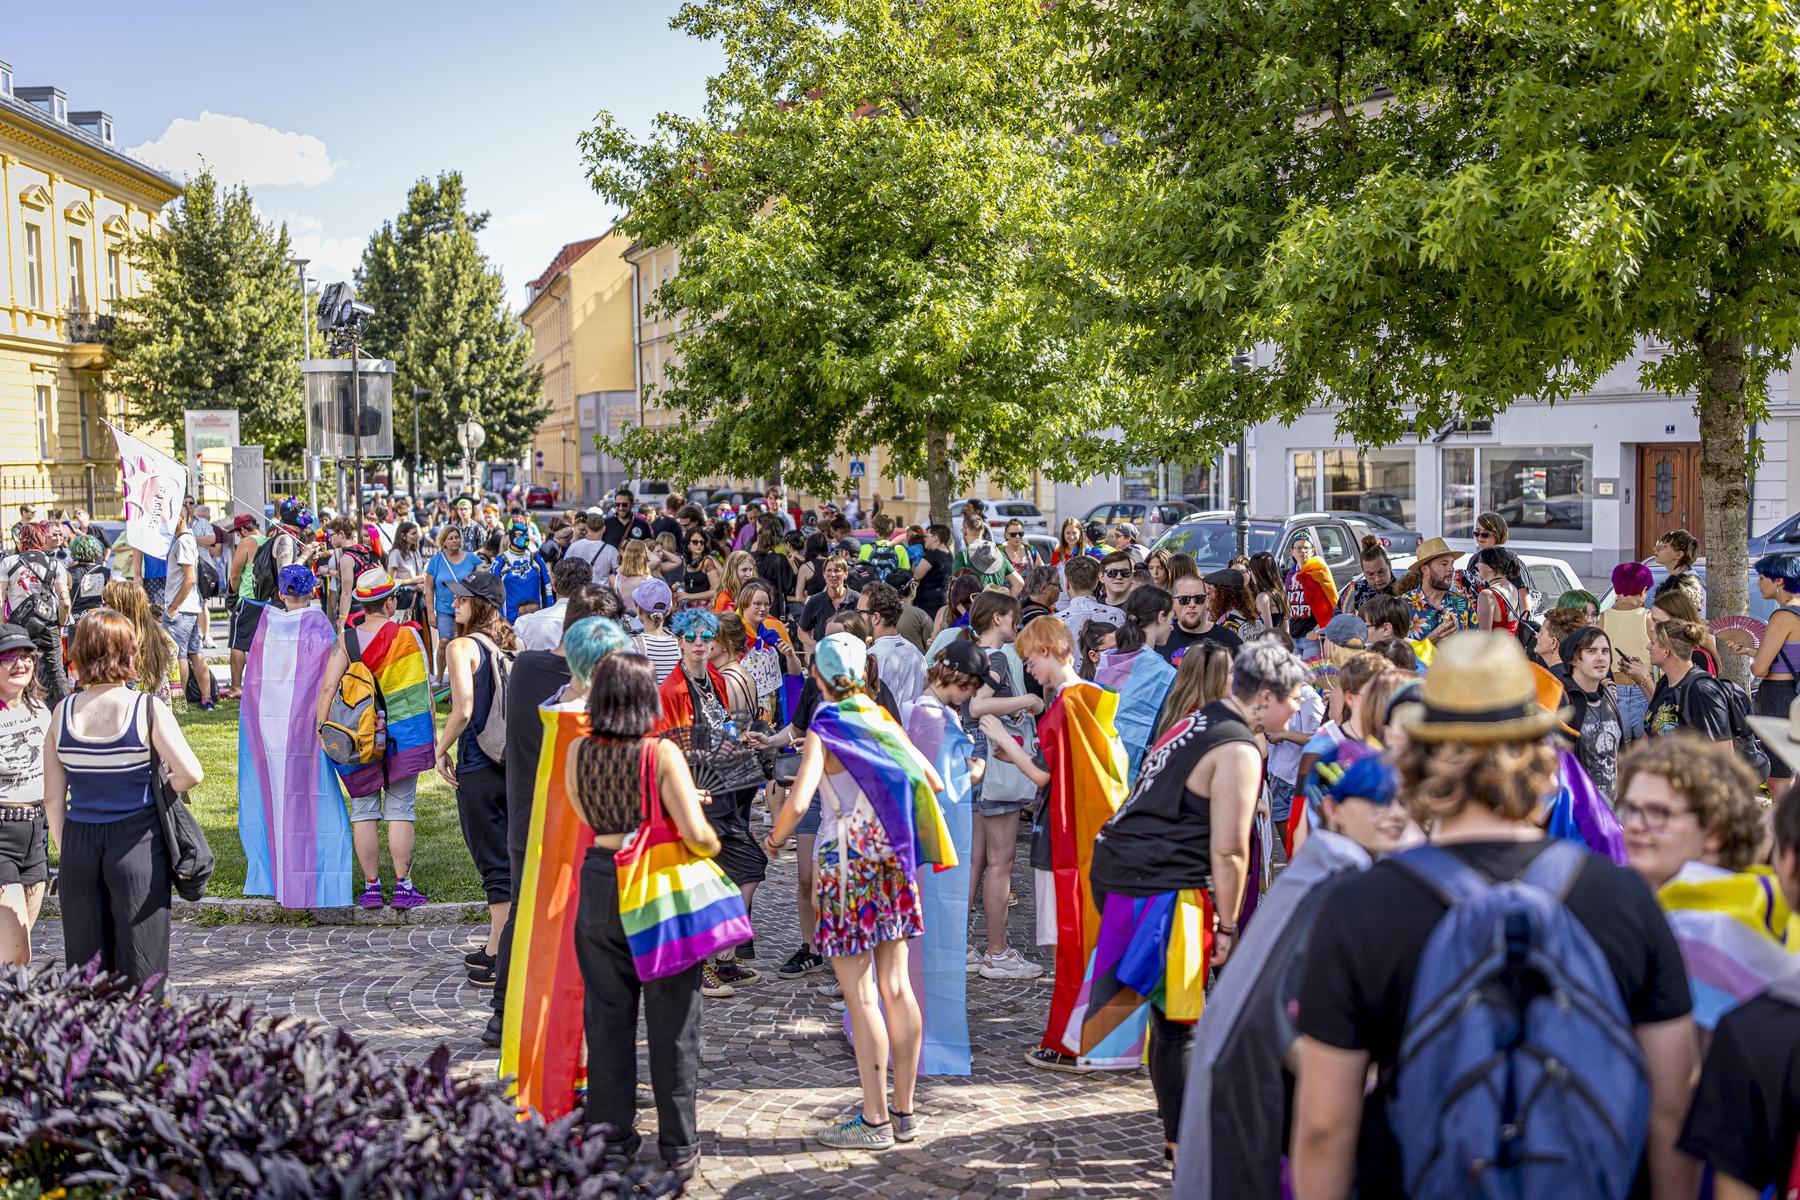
(1518, 865)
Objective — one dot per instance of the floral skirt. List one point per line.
(864, 901)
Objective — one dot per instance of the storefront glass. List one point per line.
(1305, 470)
(1377, 482)
(1545, 493)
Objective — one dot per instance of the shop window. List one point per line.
(1544, 493)
(1379, 483)
(1305, 468)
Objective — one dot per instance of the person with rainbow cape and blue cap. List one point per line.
(880, 821)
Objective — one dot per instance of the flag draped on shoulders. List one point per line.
(900, 785)
(940, 979)
(1087, 784)
(1577, 812)
(1142, 679)
(396, 658)
(1735, 931)
(291, 816)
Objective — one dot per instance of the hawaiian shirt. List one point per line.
(1360, 592)
(1459, 605)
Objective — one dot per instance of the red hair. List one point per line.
(31, 537)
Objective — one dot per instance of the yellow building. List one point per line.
(579, 314)
(69, 198)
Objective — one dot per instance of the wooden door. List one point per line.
(1668, 493)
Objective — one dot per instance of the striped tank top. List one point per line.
(109, 778)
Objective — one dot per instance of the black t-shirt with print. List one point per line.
(1745, 1118)
(1356, 988)
(1698, 703)
(1601, 731)
(616, 531)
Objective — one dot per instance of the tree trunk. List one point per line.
(1725, 485)
(937, 471)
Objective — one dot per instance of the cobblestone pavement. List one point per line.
(776, 1065)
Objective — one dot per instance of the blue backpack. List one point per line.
(1518, 1075)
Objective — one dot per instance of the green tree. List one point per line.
(441, 315)
(219, 324)
(1440, 210)
(868, 211)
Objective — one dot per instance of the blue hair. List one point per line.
(588, 641)
(1783, 567)
(694, 620)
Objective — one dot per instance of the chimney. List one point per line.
(95, 122)
(50, 99)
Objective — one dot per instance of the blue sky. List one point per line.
(330, 110)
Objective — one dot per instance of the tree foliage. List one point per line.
(219, 324)
(871, 213)
(1441, 209)
(441, 315)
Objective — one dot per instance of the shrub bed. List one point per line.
(104, 1086)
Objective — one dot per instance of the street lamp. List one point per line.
(470, 435)
(416, 471)
(1240, 481)
(310, 467)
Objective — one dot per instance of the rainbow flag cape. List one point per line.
(1087, 785)
(396, 658)
(901, 786)
(540, 1041)
(291, 816)
(939, 978)
(1142, 679)
(1735, 931)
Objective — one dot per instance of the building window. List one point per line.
(1544, 493)
(77, 284)
(6, 85)
(1305, 469)
(81, 409)
(115, 272)
(34, 266)
(42, 395)
(1377, 482)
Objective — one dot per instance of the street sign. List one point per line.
(540, 460)
(857, 470)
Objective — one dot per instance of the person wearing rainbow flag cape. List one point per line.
(880, 821)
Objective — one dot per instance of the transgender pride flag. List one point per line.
(291, 815)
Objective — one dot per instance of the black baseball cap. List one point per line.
(14, 637)
(965, 656)
(481, 585)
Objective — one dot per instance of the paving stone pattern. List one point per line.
(776, 1065)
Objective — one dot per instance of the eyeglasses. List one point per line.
(1656, 817)
(692, 636)
(1187, 600)
(12, 656)
(1117, 573)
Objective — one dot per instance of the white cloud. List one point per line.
(240, 151)
(330, 258)
(525, 218)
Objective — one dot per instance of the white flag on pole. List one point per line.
(153, 484)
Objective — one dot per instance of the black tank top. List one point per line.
(1160, 840)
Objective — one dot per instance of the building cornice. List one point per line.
(110, 166)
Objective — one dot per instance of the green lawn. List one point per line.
(441, 863)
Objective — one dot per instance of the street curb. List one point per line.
(222, 911)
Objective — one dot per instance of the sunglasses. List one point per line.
(1482, 533)
(12, 656)
(1117, 574)
(1187, 600)
(1015, 533)
(697, 637)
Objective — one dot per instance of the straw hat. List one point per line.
(1432, 548)
(1480, 690)
(1781, 735)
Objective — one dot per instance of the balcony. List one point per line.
(86, 328)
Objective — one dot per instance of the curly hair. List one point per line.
(1441, 779)
(1717, 784)
(694, 620)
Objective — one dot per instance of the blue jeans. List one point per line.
(1634, 706)
(1281, 800)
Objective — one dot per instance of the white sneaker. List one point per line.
(1010, 965)
(971, 961)
(831, 990)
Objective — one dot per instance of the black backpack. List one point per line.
(1743, 738)
(263, 571)
(38, 611)
(206, 578)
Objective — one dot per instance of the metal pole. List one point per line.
(1240, 480)
(308, 465)
(356, 418)
(416, 393)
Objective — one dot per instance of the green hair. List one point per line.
(1577, 598)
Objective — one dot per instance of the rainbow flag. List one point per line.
(540, 1042)
(291, 816)
(901, 786)
(1087, 785)
(1142, 679)
(676, 908)
(1735, 932)
(396, 658)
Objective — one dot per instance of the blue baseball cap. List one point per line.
(296, 579)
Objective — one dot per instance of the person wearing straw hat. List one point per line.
(1475, 769)
(1441, 604)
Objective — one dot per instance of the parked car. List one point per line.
(1547, 578)
(539, 496)
(1211, 539)
(1151, 517)
(1784, 537)
(1395, 539)
(1758, 607)
(999, 514)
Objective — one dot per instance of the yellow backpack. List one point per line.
(355, 728)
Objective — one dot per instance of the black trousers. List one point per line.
(610, 1015)
(1171, 1044)
(115, 894)
(481, 809)
(50, 658)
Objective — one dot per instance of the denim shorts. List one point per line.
(1281, 799)
(446, 626)
(997, 808)
(185, 629)
(809, 824)
(392, 803)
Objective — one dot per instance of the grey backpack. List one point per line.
(492, 738)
